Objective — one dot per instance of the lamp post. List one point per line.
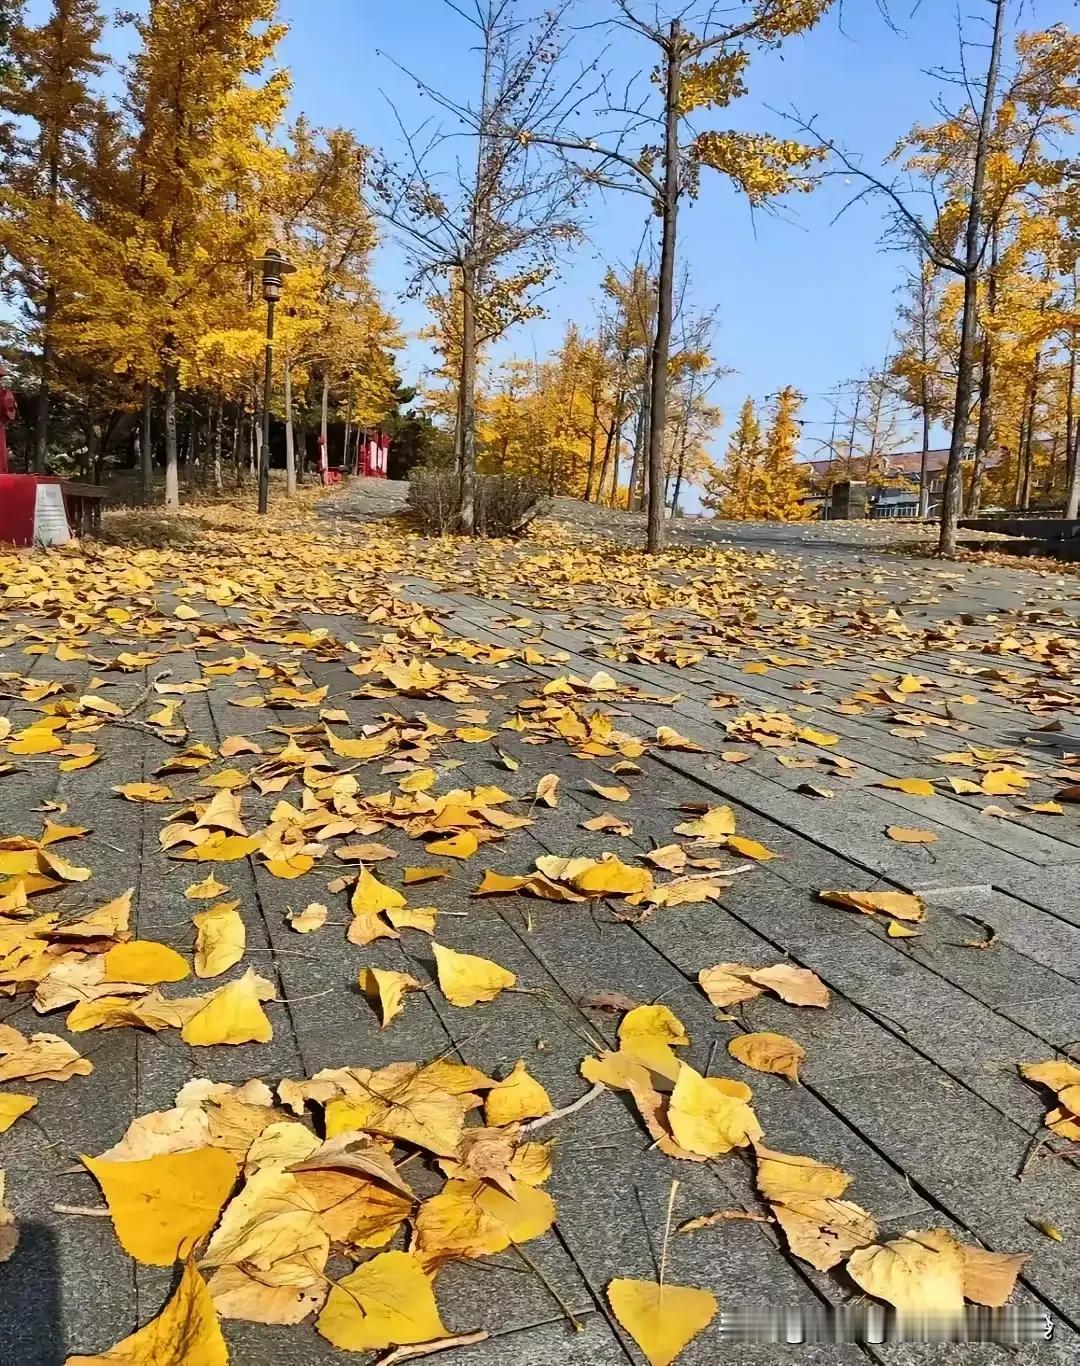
(274, 269)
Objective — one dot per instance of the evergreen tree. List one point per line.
(734, 491)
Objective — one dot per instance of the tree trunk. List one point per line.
(665, 291)
(985, 430)
(1029, 442)
(924, 482)
(609, 444)
(467, 415)
(237, 442)
(1072, 438)
(290, 437)
(41, 425)
(217, 421)
(641, 438)
(172, 466)
(146, 449)
(324, 428)
(954, 476)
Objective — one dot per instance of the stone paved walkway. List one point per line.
(910, 1078)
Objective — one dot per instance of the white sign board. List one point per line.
(50, 519)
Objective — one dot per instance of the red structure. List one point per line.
(373, 456)
(33, 510)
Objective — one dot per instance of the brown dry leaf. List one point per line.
(388, 988)
(728, 984)
(768, 1053)
(547, 790)
(9, 1228)
(796, 986)
(722, 1216)
(902, 905)
(42, 1057)
(661, 1319)
(220, 939)
(614, 1001)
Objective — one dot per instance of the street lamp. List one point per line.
(274, 269)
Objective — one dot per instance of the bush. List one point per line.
(505, 503)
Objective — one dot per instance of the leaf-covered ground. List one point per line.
(529, 950)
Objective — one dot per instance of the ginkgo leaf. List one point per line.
(902, 905)
(143, 960)
(708, 1119)
(205, 890)
(902, 834)
(163, 1206)
(460, 846)
(220, 938)
(232, 1014)
(465, 979)
(914, 787)
(729, 984)
(475, 1219)
(796, 986)
(388, 988)
(185, 1333)
(547, 789)
(616, 793)
(921, 1273)
(750, 848)
(517, 1098)
(661, 1319)
(144, 792)
(370, 896)
(387, 1301)
(768, 1053)
(12, 1105)
(312, 917)
(715, 825)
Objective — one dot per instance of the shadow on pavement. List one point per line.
(31, 1332)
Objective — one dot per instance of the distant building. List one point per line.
(894, 489)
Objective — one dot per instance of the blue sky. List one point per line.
(802, 300)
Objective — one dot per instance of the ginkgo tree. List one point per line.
(701, 61)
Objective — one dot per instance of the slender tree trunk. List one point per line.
(985, 429)
(665, 291)
(348, 431)
(1072, 438)
(467, 415)
(324, 427)
(954, 478)
(290, 436)
(609, 444)
(924, 483)
(172, 464)
(1029, 441)
(216, 438)
(237, 441)
(146, 448)
(641, 439)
